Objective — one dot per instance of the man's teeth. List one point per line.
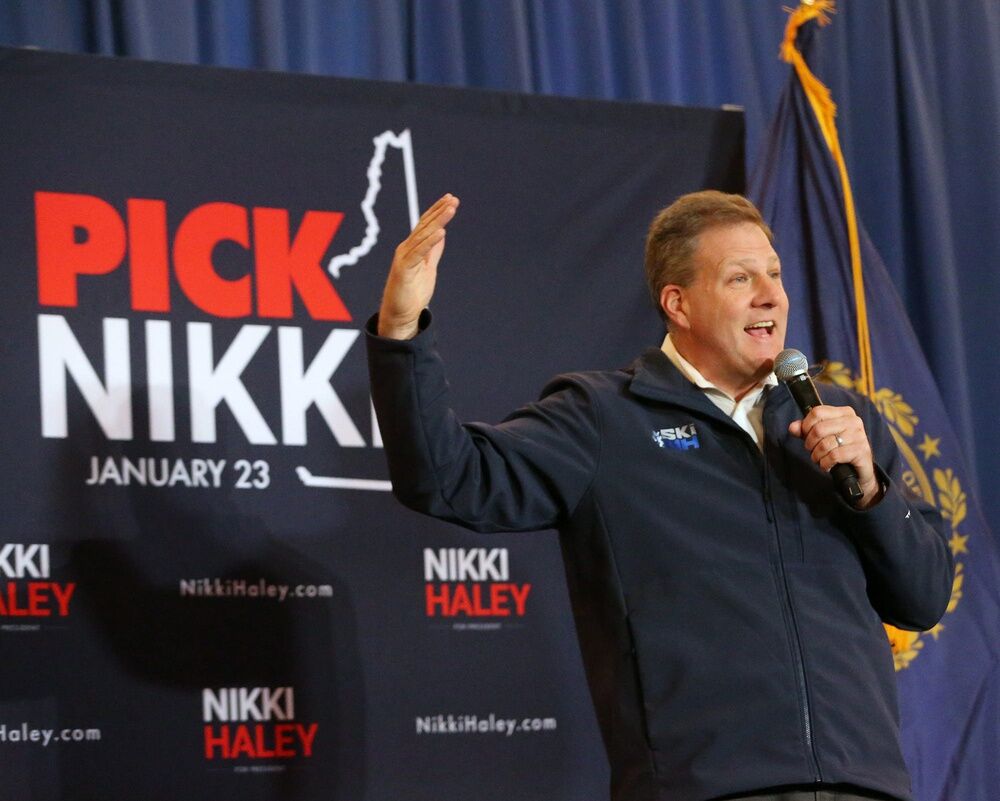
(765, 324)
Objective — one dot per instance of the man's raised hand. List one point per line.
(411, 280)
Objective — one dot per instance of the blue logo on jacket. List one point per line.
(681, 438)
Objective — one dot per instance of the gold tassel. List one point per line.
(826, 111)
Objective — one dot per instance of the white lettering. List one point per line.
(59, 353)
(30, 561)
(213, 383)
(199, 467)
(160, 380)
(301, 389)
(214, 705)
(210, 384)
(248, 703)
(466, 564)
(179, 475)
(134, 470)
(215, 468)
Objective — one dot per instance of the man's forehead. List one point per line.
(744, 244)
(742, 260)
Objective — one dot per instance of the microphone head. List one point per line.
(790, 363)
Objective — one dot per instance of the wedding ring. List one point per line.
(840, 439)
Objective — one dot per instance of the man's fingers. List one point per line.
(444, 205)
(826, 418)
(425, 236)
(415, 252)
(437, 223)
(445, 200)
(847, 427)
(831, 449)
(832, 428)
(819, 414)
(854, 453)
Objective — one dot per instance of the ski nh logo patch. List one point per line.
(681, 438)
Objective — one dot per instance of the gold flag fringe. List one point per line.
(826, 110)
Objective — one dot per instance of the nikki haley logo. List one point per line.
(472, 583)
(28, 592)
(680, 438)
(254, 723)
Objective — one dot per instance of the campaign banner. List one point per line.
(207, 590)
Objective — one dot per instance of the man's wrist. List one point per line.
(872, 495)
(392, 329)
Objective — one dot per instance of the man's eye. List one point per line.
(739, 278)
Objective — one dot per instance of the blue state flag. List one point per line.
(847, 315)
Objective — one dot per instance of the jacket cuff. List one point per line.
(423, 338)
(891, 506)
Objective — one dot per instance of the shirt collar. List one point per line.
(690, 372)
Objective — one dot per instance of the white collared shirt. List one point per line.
(747, 412)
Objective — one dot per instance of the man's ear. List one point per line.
(674, 305)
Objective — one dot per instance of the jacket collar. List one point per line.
(654, 377)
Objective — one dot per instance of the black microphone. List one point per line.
(792, 369)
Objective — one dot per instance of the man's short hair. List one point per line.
(673, 235)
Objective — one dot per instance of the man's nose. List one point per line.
(769, 292)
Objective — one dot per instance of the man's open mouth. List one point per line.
(760, 330)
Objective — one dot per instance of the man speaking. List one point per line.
(728, 602)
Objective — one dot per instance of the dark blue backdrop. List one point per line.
(917, 82)
(125, 603)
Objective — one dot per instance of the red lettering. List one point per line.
(84, 235)
(242, 743)
(263, 752)
(284, 735)
(37, 596)
(520, 597)
(476, 600)
(460, 601)
(36, 599)
(13, 610)
(198, 234)
(498, 599)
(307, 735)
(434, 599)
(253, 742)
(149, 271)
(220, 741)
(281, 266)
(58, 218)
(63, 594)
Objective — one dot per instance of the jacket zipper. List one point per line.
(799, 659)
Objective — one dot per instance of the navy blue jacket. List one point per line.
(728, 604)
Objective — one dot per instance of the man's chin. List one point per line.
(765, 367)
(766, 363)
